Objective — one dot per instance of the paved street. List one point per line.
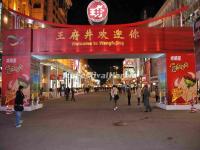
(87, 124)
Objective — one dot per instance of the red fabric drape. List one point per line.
(140, 23)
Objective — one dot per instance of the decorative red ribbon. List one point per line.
(172, 13)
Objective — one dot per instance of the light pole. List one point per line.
(115, 73)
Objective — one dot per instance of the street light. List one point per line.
(115, 75)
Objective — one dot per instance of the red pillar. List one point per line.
(16, 64)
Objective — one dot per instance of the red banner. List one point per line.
(181, 80)
(15, 72)
(111, 40)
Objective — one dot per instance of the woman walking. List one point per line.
(19, 100)
(138, 93)
(115, 96)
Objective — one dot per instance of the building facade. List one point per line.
(48, 10)
(51, 10)
(186, 18)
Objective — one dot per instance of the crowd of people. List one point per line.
(142, 94)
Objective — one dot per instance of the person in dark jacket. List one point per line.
(157, 94)
(19, 100)
(146, 95)
(73, 92)
(129, 95)
(67, 91)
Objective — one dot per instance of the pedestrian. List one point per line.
(138, 93)
(110, 95)
(41, 91)
(157, 94)
(73, 96)
(67, 92)
(129, 95)
(146, 95)
(115, 96)
(18, 107)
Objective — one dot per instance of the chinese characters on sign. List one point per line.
(13, 69)
(11, 60)
(134, 34)
(96, 38)
(175, 58)
(177, 67)
(60, 36)
(11, 66)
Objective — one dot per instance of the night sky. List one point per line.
(119, 12)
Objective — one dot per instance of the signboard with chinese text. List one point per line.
(15, 72)
(110, 40)
(181, 79)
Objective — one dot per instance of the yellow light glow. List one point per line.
(43, 25)
(5, 19)
(15, 6)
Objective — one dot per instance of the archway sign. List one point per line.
(108, 40)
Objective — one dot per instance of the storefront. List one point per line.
(197, 51)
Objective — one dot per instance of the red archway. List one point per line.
(115, 40)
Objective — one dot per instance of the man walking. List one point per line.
(157, 94)
(138, 93)
(129, 95)
(146, 95)
(67, 91)
(73, 97)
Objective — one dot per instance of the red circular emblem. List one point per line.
(97, 11)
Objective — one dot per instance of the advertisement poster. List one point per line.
(197, 50)
(181, 79)
(197, 43)
(16, 71)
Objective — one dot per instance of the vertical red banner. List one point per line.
(16, 71)
(181, 79)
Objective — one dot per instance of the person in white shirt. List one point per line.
(115, 96)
